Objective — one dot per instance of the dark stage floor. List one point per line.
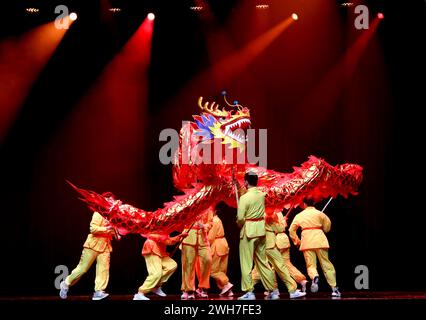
(359, 295)
(318, 306)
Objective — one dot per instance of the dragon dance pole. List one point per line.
(180, 242)
(117, 235)
(328, 202)
(235, 186)
(289, 211)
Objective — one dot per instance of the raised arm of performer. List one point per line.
(293, 232)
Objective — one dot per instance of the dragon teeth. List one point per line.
(238, 137)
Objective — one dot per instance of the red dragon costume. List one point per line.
(204, 183)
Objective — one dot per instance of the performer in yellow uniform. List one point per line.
(283, 245)
(250, 218)
(97, 247)
(220, 251)
(196, 249)
(159, 264)
(273, 226)
(314, 244)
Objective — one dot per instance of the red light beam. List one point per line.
(21, 61)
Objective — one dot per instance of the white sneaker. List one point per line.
(314, 284)
(273, 295)
(336, 292)
(297, 294)
(201, 293)
(248, 296)
(99, 295)
(226, 288)
(186, 296)
(140, 296)
(230, 293)
(276, 291)
(63, 293)
(303, 284)
(159, 292)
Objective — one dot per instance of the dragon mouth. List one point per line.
(237, 129)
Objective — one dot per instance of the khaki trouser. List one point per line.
(278, 265)
(294, 272)
(255, 276)
(326, 266)
(88, 256)
(219, 269)
(159, 269)
(190, 256)
(253, 250)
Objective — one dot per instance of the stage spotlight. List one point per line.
(196, 8)
(73, 16)
(380, 15)
(151, 16)
(294, 16)
(32, 10)
(114, 10)
(262, 6)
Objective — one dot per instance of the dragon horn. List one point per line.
(206, 107)
(212, 108)
(215, 107)
(200, 103)
(237, 105)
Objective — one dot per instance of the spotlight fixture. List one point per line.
(151, 16)
(73, 16)
(199, 8)
(347, 4)
(262, 6)
(295, 17)
(380, 15)
(32, 10)
(114, 10)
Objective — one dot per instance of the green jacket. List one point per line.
(251, 213)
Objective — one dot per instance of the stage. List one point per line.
(322, 296)
(216, 307)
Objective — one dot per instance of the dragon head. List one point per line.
(230, 126)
